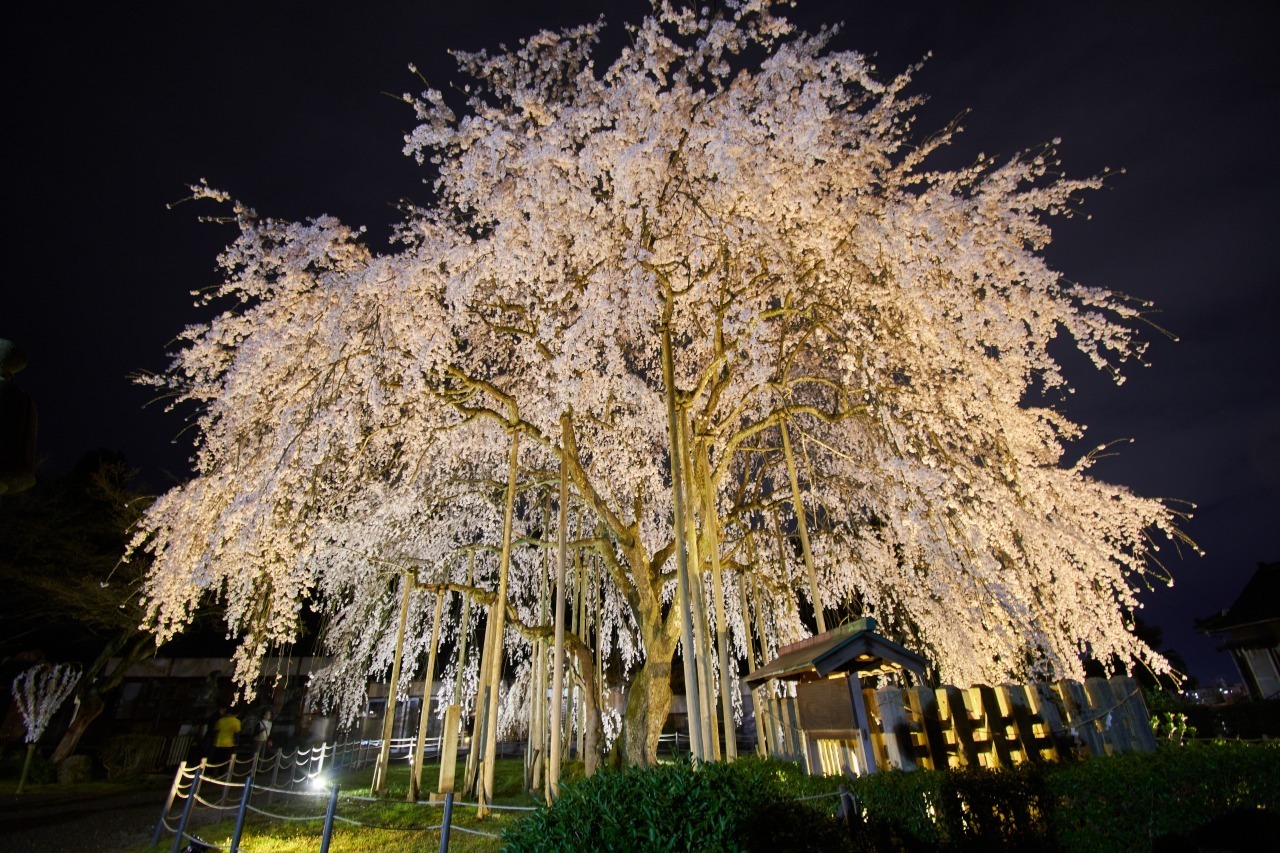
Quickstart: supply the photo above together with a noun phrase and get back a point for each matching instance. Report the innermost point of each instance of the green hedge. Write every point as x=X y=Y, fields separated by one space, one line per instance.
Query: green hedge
x=1162 y=800
x=1124 y=802
x=748 y=805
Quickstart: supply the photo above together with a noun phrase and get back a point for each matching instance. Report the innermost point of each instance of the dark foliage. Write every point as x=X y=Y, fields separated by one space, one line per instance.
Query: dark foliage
x=748 y=805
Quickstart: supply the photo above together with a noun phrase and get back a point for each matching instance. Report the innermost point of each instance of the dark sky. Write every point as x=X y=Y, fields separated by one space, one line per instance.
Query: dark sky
x=114 y=109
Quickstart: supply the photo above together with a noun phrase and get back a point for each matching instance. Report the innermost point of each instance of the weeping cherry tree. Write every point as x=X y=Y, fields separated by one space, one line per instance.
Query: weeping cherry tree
x=785 y=367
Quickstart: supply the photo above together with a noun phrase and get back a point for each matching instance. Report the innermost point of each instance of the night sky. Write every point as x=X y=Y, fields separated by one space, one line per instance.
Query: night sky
x=114 y=109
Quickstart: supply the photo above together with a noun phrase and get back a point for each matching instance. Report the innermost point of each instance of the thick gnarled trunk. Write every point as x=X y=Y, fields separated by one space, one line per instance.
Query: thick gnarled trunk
x=648 y=704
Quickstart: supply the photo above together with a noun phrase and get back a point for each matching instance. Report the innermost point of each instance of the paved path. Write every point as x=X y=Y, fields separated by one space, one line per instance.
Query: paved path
x=68 y=823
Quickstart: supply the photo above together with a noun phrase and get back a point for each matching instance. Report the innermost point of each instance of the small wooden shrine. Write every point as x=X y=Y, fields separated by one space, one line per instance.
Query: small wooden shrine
x=829 y=669
x=834 y=725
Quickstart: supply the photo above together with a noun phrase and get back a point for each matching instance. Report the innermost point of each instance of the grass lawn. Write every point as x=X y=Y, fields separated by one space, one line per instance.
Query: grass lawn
x=390 y=824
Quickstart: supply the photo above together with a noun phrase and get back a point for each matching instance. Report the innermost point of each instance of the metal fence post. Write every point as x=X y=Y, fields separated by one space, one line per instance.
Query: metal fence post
x=231 y=768
x=244 y=807
x=445 y=821
x=848 y=806
x=275 y=773
x=328 y=819
x=186 y=810
x=168 y=803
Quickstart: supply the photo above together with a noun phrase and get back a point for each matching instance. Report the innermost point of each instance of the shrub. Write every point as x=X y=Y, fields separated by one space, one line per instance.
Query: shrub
x=1121 y=802
x=750 y=804
x=1127 y=801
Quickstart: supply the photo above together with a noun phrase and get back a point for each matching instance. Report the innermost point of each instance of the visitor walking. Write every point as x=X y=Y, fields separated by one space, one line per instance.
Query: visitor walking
x=262 y=734
x=225 y=732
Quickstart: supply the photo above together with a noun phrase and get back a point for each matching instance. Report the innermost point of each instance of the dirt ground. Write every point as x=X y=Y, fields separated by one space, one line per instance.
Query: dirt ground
x=45 y=822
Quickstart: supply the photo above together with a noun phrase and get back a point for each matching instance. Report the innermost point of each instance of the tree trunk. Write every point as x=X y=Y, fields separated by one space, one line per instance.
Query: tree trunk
x=91 y=707
x=590 y=719
x=648 y=703
x=94 y=684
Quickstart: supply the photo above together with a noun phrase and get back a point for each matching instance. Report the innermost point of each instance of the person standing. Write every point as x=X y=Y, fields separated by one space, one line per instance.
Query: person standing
x=262 y=734
x=225 y=732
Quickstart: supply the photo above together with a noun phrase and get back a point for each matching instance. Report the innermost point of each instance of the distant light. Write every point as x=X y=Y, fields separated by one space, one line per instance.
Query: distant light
x=318 y=782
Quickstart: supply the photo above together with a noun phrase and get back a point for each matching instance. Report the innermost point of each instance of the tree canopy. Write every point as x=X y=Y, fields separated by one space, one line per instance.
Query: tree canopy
x=723 y=259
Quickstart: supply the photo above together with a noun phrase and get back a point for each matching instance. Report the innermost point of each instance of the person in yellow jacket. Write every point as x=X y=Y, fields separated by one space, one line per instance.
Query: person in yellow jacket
x=225 y=732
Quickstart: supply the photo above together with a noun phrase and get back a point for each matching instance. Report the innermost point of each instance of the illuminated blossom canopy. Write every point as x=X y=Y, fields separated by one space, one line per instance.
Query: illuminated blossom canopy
x=755 y=194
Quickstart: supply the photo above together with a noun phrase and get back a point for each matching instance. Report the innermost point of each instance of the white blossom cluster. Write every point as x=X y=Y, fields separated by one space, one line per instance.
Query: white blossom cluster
x=40 y=691
x=754 y=193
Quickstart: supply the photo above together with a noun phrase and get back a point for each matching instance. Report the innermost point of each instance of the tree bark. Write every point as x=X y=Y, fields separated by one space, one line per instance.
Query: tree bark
x=94 y=684
x=648 y=703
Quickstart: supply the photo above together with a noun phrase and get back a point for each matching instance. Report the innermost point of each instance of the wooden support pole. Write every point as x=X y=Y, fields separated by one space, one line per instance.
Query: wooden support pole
x=797 y=502
x=499 y=614
x=757 y=694
x=424 y=712
x=711 y=523
x=449 y=750
x=557 y=655
x=866 y=752
x=471 y=773
x=379 y=786
x=682 y=563
x=701 y=636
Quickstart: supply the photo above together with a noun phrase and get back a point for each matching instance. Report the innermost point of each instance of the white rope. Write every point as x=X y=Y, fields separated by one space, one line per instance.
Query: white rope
x=257 y=788
x=494 y=806
x=285 y=817
x=222 y=782
x=202 y=801
x=816 y=797
x=456 y=828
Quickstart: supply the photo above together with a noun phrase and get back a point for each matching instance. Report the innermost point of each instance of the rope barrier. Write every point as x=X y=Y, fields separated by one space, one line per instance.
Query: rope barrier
x=285 y=817
x=269 y=789
x=211 y=781
x=202 y=801
x=494 y=806
x=456 y=828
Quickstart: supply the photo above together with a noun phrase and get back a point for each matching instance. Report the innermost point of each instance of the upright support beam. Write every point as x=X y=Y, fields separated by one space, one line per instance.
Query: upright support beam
x=424 y=713
x=711 y=522
x=682 y=565
x=697 y=592
x=379 y=786
x=557 y=654
x=499 y=616
x=866 y=754
x=757 y=694
x=797 y=503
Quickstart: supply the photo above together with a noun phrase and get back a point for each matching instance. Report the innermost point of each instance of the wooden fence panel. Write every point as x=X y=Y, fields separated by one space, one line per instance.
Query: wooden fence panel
x=955 y=719
x=949 y=726
x=1102 y=708
x=897 y=729
x=931 y=746
x=1076 y=706
x=1133 y=710
x=1058 y=741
